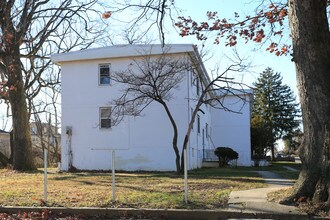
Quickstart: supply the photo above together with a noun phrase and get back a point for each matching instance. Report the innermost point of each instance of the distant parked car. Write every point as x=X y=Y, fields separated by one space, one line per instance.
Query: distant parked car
x=282 y=157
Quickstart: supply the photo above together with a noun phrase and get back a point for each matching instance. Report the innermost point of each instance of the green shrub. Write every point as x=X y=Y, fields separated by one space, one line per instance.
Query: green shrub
x=225 y=154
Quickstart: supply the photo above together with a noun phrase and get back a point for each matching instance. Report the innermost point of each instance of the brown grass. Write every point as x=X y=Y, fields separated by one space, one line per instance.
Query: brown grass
x=208 y=189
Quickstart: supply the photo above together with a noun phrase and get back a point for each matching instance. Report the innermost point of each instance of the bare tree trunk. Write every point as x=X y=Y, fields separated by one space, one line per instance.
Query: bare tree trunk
x=175 y=137
x=11 y=144
x=23 y=158
x=272 y=149
x=190 y=126
x=311 y=46
x=272 y=142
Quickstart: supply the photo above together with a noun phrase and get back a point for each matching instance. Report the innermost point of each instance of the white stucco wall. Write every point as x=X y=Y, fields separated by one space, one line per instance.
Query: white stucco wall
x=196 y=144
x=230 y=129
x=141 y=143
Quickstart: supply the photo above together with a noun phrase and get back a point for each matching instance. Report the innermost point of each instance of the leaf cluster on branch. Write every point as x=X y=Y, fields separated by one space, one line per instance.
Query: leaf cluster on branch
x=249 y=28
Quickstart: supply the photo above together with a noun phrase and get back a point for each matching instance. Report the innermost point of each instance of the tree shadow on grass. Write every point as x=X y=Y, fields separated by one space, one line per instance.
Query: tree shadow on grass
x=148 y=190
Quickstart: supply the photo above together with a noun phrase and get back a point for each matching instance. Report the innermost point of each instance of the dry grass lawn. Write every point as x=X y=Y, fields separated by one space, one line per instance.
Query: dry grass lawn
x=208 y=188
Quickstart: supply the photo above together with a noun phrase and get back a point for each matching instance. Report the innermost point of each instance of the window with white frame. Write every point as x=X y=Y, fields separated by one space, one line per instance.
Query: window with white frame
x=105 y=117
x=104 y=74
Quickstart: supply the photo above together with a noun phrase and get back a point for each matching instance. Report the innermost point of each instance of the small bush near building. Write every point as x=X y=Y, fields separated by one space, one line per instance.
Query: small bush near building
x=225 y=154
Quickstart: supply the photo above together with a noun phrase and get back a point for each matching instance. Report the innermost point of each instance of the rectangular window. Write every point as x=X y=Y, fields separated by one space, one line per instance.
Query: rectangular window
x=207 y=130
x=195 y=81
x=192 y=112
x=104 y=74
x=198 y=124
x=203 y=138
x=105 y=117
x=197 y=86
x=33 y=130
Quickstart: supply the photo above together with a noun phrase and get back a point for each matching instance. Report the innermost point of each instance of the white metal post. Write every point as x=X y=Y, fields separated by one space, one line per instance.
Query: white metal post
x=45 y=174
x=113 y=177
x=185 y=177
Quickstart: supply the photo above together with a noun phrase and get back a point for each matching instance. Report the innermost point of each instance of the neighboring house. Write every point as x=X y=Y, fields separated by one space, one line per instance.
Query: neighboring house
x=141 y=143
x=43 y=131
x=5 y=143
x=40 y=133
x=47 y=136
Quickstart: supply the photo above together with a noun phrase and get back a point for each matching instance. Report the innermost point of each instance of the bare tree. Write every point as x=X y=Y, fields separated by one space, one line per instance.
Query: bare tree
x=30 y=31
x=150 y=15
x=44 y=127
x=134 y=36
x=214 y=91
x=154 y=81
x=309 y=24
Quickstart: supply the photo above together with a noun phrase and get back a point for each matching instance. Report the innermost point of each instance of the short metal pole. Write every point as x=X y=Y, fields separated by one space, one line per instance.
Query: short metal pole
x=113 y=177
x=45 y=174
x=185 y=177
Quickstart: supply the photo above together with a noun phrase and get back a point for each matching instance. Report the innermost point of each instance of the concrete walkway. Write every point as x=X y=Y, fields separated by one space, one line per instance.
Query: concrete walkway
x=255 y=200
x=290 y=168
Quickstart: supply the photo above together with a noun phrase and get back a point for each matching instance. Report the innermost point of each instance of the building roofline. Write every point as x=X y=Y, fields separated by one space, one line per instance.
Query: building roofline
x=120 y=51
x=199 y=62
x=136 y=50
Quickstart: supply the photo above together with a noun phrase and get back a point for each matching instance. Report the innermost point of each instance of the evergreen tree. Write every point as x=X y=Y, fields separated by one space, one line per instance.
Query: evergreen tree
x=292 y=141
x=275 y=107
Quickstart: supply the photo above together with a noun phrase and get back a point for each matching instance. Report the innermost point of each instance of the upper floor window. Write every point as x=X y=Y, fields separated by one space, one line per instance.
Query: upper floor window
x=104 y=74
x=105 y=117
x=197 y=86
x=194 y=79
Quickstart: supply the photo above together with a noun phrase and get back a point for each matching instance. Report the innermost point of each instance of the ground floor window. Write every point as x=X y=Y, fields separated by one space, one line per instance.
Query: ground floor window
x=105 y=117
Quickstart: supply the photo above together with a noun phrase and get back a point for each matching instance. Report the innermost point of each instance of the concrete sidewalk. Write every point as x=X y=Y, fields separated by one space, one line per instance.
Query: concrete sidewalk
x=152 y=214
x=255 y=200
